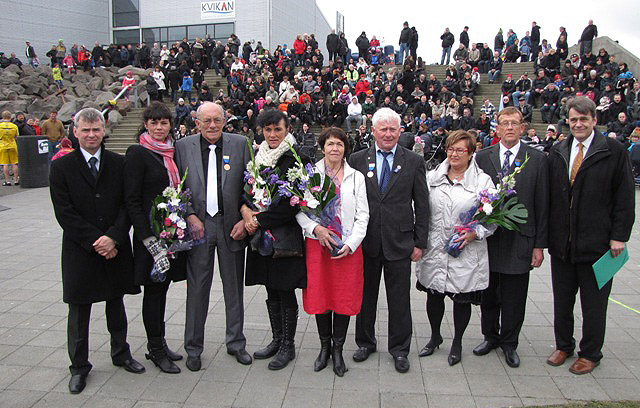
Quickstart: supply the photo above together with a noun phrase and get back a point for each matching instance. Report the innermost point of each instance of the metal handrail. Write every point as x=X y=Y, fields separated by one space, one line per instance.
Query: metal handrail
x=135 y=94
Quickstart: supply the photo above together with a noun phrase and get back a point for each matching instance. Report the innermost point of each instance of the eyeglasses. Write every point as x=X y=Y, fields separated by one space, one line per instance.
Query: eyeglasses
x=507 y=124
x=451 y=150
x=207 y=122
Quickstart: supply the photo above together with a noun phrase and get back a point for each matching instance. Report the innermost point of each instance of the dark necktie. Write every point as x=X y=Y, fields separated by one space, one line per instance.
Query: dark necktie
x=506 y=164
x=386 y=171
x=93 y=166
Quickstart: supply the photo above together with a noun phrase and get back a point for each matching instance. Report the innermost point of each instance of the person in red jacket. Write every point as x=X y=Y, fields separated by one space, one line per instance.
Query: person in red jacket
x=299 y=46
x=362 y=86
x=84 y=58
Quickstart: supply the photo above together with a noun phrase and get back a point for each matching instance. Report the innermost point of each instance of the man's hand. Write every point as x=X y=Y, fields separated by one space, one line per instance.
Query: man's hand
x=111 y=254
x=416 y=254
x=616 y=247
x=104 y=245
x=238 y=231
x=196 y=227
x=537 y=257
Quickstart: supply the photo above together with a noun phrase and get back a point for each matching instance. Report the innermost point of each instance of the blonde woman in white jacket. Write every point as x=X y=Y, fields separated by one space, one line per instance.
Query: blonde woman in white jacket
x=453 y=189
x=335 y=283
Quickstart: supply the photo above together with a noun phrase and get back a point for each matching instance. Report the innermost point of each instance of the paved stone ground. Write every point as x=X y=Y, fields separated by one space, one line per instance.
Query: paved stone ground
x=33 y=359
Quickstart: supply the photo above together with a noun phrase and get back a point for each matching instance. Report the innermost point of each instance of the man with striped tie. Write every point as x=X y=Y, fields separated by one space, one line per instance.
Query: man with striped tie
x=592 y=204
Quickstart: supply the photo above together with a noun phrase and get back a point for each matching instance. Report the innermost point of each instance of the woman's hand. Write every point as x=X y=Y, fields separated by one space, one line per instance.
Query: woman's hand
x=467 y=237
x=344 y=251
x=247 y=215
x=324 y=236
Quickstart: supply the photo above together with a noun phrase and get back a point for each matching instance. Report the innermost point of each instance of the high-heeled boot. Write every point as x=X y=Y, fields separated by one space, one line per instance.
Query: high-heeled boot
x=324 y=331
x=275 y=317
x=287 y=350
x=340 y=326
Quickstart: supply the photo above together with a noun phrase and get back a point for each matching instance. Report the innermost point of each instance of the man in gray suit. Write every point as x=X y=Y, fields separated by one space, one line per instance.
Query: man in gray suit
x=397 y=233
x=215 y=162
x=512 y=254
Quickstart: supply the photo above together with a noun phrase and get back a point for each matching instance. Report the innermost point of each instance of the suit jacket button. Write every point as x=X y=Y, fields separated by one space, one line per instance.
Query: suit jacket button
x=97 y=195
x=100 y=219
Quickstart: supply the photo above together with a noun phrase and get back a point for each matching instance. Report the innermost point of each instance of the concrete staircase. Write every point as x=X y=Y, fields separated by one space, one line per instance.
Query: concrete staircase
x=124 y=134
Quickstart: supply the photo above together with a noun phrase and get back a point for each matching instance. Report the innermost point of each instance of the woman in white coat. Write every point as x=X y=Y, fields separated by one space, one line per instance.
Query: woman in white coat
x=335 y=283
x=453 y=189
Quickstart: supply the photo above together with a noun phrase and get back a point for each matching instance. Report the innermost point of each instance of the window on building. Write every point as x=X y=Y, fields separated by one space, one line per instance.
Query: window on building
x=126 y=13
x=123 y=37
x=164 y=34
x=151 y=35
x=223 y=31
x=196 y=31
x=176 y=34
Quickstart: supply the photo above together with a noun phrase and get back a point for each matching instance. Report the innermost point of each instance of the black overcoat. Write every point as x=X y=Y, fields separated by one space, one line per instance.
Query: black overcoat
x=146 y=177
x=510 y=251
x=87 y=208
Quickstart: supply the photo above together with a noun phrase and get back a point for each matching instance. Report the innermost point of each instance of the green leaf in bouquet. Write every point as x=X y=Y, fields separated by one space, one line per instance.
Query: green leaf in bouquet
x=515 y=211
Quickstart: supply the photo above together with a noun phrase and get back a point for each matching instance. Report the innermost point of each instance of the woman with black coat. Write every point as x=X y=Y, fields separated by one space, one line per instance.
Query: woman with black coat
x=149 y=169
x=282 y=268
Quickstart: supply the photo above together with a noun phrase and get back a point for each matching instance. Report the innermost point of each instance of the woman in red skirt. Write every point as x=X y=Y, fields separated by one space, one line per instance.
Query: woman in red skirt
x=334 y=283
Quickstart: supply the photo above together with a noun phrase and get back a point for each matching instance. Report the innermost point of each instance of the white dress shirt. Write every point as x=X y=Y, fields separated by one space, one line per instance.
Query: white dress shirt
x=380 y=158
x=514 y=152
x=88 y=156
x=574 y=150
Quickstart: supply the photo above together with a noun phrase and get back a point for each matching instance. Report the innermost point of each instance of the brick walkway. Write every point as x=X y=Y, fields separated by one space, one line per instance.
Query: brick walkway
x=33 y=358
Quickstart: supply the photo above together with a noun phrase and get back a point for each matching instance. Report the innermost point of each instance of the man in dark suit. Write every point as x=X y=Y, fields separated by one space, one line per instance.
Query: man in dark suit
x=512 y=254
x=591 y=212
x=215 y=162
x=97 y=263
x=397 y=233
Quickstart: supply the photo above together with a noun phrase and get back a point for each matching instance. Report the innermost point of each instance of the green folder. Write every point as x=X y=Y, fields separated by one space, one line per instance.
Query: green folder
x=607 y=266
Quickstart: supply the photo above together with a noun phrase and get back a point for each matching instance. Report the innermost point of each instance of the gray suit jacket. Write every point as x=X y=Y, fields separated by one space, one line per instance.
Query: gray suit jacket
x=510 y=251
x=189 y=156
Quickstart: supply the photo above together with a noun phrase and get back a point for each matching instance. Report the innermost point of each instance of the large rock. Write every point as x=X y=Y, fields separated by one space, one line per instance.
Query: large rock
x=114 y=118
x=13 y=68
x=90 y=104
x=14 y=106
x=140 y=72
x=33 y=85
x=15 y=88
x=107 y=77
x=8 y=76
x=44 y=106
x=95 y=83
x=104 y=98
x=124 y=106
x=43 y=70
x=81 y=90
x=68 y=109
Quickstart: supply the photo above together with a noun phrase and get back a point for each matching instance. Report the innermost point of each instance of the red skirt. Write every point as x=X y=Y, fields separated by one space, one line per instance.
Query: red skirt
x=332 y=284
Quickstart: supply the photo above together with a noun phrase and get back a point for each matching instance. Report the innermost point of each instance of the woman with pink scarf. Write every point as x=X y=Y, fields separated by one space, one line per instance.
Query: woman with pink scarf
x=149 y=169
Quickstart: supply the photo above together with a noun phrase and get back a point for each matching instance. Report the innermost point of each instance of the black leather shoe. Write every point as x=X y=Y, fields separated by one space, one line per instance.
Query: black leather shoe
x=430 y=347
x=455 y=355
x=362 y=354
x=132 y=366
x=194 y=363
x=241 y=356
x=401 y=363
x=484 y=348
x=173 y=356
x=77 y=383
x=512 y=358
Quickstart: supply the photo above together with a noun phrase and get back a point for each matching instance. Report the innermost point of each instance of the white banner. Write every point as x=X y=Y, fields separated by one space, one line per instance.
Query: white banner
x=217 y=9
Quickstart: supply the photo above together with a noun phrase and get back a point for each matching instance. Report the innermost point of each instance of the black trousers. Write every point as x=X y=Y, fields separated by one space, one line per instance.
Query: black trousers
x=397 y=280
x=154 y=303
x=503 y=308
x=78 y=334
x=567 y=278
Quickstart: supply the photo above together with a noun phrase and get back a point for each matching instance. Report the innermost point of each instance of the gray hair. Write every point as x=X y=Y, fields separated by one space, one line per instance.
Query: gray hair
x=385 y=115
x=89 y=115
x=199 y=110
x=582 y=105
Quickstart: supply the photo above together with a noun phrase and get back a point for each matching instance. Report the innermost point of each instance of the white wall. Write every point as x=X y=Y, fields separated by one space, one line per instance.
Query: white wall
x=44 y=22
x=293 y=17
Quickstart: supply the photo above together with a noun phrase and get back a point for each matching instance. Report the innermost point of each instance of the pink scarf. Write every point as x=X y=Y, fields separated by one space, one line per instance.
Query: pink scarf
x=166 y=151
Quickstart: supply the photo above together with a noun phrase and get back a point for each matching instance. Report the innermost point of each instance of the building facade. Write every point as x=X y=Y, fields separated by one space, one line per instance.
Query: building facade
x=272 y=22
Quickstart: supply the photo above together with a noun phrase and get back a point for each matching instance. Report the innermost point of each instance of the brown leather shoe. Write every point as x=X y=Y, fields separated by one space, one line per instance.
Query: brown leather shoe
x=583 y=366
x=558 y=357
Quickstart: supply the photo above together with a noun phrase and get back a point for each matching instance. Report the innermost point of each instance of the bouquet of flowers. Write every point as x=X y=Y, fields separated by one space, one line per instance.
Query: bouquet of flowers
x=168 y=223
x=260 y=183
x=317 y=198
x=498 y=206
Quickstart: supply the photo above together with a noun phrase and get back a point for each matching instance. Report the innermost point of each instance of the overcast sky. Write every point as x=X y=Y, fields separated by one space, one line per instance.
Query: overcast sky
x=620 y=20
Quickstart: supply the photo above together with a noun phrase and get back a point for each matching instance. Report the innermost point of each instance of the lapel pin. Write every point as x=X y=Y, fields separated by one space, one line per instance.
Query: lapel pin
x=397 y=169
x=370 y=174
x=225 y=159
x=372 y=165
